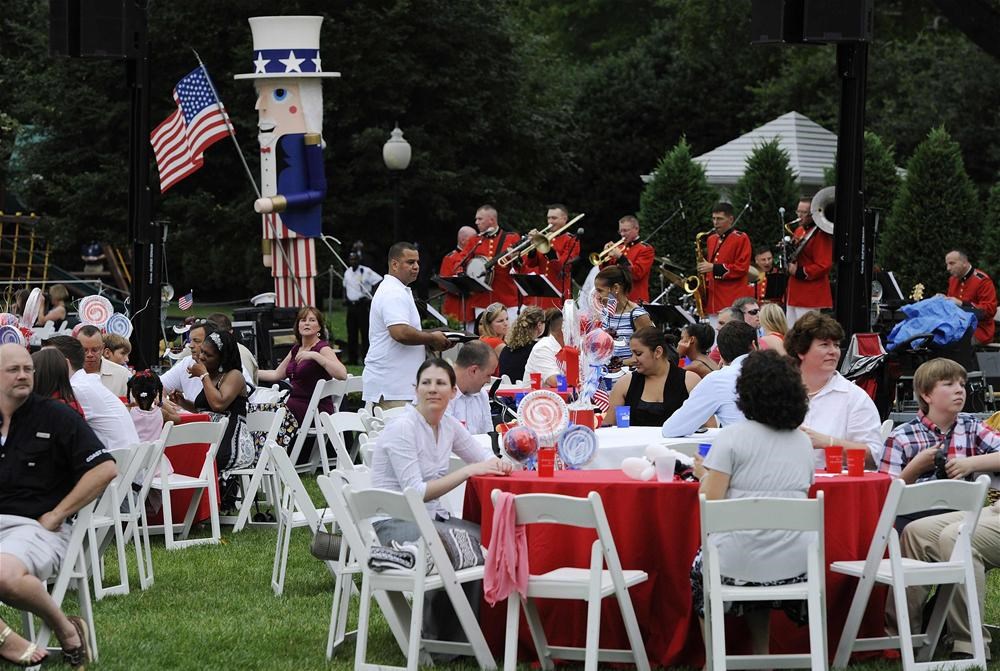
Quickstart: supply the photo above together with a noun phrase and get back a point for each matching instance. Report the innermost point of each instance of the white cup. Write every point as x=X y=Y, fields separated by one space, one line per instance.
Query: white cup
x=665 y=468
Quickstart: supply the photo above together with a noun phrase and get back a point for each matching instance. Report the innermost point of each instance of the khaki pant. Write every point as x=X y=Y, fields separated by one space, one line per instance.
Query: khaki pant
x=932 y=539
x=389 y=405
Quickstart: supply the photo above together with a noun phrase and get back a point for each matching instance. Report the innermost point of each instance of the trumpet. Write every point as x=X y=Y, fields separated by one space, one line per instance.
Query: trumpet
x=540 y=241
x=597 y=259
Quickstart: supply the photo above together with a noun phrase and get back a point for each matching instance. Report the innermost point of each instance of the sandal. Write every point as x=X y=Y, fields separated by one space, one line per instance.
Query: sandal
x=25 y=658
x=79 y=656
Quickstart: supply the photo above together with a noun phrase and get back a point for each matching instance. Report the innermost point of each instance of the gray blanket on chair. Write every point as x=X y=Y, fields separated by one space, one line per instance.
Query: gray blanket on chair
x=461 y=541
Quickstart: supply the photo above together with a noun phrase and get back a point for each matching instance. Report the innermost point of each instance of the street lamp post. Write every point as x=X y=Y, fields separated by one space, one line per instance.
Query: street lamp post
x=396 y=154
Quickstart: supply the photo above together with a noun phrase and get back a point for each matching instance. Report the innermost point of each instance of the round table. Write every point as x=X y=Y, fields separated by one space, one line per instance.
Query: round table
x=655 y=526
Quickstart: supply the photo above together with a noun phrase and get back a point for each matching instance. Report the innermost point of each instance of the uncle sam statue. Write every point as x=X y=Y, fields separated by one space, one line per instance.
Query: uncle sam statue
x=287 y=74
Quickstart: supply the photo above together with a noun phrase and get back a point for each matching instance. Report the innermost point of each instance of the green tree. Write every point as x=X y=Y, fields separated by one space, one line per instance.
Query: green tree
x=676 y=179
x=768 y=183
x=937 y=208
x=990 y=260
x=881 y=180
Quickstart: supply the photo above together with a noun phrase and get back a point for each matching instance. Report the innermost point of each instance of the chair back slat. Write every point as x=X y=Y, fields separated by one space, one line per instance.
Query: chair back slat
x=553 y=509
x=261 y=421
x=200 y=433
x=762 y=514
x=332 y=487
x=942 y=495
x=367 y=503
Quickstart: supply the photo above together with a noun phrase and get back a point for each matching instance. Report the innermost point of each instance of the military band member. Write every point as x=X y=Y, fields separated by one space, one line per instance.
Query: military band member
x=489 y=245
x=451 y=266
x=637 y=258
x=973 y=291
x=727 y=260
x=556 y=264
x=809 y=273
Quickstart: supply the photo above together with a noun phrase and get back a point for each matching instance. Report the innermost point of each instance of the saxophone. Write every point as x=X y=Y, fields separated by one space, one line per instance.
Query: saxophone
x=694 y=284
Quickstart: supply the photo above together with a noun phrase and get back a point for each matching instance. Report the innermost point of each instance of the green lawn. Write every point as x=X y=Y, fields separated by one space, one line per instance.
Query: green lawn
x=212 y=607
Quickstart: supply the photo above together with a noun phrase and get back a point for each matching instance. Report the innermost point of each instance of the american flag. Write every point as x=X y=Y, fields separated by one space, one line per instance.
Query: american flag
x=601 y=400
x=610 y=309
x=185 y=302
x=199 y=121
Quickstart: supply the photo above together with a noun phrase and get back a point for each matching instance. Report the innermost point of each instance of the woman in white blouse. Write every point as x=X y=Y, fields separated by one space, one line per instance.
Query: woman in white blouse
x=415 y=451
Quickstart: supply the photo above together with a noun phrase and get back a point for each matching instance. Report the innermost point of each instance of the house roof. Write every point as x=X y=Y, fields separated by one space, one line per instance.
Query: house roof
x=810 y=147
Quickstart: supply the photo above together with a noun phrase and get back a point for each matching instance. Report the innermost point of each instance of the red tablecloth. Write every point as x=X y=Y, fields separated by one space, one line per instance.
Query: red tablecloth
x=656 y=529
x=187 y=460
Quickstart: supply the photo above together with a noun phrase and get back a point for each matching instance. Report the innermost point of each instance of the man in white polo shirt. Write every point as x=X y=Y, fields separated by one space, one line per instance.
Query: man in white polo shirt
x=397 y=343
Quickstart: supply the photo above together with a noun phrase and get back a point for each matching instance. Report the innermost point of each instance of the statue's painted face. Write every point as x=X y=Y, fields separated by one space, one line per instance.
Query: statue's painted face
x=279 y=109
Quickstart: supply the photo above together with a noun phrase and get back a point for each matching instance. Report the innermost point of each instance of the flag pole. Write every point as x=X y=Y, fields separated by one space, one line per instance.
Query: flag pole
x=243 y=160
x=229 y=126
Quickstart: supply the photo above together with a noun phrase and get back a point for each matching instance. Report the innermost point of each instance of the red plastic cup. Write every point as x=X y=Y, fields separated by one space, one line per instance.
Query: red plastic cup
x=856 y=463
x=584 y=417
x=536 y=380
x=546 y=462
x=834 y=459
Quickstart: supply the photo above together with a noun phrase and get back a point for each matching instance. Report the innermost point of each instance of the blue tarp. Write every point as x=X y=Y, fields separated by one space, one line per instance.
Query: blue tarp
x=936 y=315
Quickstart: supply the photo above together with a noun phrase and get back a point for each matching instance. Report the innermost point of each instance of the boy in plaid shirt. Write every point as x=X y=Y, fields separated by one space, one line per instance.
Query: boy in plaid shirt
x=940 y=426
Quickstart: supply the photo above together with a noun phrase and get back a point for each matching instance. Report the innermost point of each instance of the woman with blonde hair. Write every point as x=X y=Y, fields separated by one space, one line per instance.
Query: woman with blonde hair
x=772 y=322
x=493 y=326
x=528 y=328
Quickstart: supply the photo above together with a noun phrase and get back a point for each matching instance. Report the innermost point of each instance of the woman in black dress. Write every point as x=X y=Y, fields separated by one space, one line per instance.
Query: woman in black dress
x=224 y=392
x=656 y=388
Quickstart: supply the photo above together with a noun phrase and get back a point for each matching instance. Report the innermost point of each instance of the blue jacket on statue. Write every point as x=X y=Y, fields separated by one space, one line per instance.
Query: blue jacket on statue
x=301 y=182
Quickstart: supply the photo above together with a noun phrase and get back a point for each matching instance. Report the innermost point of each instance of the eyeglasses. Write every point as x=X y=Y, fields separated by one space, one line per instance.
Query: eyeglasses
x=751 y=312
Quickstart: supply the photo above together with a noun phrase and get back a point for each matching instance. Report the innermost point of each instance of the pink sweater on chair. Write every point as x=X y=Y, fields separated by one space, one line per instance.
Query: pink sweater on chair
x=507 y=560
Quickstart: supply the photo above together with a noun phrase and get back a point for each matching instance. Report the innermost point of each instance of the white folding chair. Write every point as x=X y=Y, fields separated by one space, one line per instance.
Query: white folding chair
x=108 y=518
x=592 y=584
x=72 y=574
x=138 y=525
x=269 y=423
x=295 y=509
x=387 y=415
x=355 y=384
x=311 y=425
x=885 y=429
x=347 y=564
x=723 y=517
x=335 y=426
x=367 y=418
x=204 y=484
x=409 y=506
x=900 y=572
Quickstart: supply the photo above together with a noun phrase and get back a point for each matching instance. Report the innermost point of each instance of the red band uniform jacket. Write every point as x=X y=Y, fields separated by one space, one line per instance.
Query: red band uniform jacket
x=554 y=266
x=978 y=295
x=730 y=255
x=503 y=289
x=809 y=287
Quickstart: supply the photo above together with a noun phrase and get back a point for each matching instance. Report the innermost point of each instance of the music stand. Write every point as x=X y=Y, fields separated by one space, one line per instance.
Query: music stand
x=672 y=316
x=531 y=284
x=463 y=286
x=777 y=284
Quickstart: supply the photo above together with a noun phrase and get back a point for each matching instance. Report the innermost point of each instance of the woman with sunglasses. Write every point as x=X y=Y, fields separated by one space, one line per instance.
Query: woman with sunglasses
x=656 y=388
x=493 y=326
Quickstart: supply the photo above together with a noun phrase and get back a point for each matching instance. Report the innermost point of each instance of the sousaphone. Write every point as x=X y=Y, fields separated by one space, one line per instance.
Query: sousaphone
x=823 y=209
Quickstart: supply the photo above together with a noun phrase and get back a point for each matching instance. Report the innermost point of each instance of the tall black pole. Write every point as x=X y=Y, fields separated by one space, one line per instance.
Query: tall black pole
x=852 y=240
x=145 y=235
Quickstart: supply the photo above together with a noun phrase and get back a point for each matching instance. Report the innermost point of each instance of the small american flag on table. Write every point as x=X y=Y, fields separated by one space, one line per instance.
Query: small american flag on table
x=185 y=302
x=199 y=121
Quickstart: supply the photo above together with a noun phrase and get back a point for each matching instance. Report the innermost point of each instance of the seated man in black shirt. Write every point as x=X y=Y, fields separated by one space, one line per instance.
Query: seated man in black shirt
x=51 y=465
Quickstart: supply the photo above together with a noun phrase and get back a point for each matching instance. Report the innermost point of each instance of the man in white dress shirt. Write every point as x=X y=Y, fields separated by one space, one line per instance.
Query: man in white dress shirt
x=105 y=413
x=474 y=367
x=113 y=376
x=543 y=354
x=397 y=341
x=716 y=393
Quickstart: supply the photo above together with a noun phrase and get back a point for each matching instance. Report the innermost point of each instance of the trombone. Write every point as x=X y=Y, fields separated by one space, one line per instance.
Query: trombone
x=540 y=241
x=597 y=259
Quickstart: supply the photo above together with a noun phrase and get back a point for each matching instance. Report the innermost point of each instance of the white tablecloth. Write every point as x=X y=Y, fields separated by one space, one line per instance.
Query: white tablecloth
x=615 y=444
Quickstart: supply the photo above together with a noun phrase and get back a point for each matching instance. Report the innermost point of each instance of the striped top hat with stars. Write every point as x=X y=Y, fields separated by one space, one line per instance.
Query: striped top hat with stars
x=286 y=46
